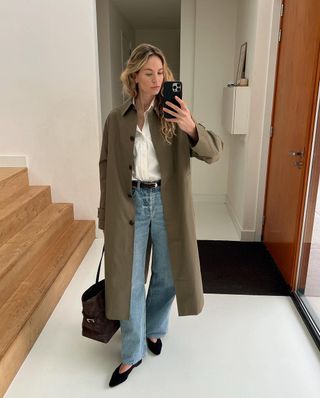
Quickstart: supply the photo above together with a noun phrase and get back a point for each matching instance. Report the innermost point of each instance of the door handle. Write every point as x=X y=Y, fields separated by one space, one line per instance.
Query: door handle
x=296 y=153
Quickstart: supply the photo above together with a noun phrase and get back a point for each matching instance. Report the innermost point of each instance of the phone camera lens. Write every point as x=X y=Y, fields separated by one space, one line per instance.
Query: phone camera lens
x=176 y=87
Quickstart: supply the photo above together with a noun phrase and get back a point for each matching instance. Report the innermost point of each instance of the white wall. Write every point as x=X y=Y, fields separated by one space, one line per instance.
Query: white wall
x=208 y=29
x=105 y=73
x=118 y=23
x=49 y=106
x=248 y=161
x=211 y=34
x=187 y=49
x=168 y=40
x=237 y=179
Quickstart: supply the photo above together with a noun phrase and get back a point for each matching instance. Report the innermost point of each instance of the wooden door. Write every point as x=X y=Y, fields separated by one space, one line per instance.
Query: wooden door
x=292 y=125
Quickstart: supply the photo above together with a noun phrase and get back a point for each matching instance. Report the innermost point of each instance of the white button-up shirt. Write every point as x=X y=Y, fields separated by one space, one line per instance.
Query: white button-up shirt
x=146 y=165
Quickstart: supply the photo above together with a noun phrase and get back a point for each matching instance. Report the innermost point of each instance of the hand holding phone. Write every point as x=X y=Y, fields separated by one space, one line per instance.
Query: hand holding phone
x=170 y=90
x=183 y=118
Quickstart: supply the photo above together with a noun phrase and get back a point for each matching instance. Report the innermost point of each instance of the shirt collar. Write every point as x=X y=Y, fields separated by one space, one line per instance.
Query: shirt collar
x=151 y=105
x=131 y=103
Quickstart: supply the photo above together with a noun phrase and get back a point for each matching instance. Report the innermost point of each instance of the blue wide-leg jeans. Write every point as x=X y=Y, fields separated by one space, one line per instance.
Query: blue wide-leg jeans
x=149 y=317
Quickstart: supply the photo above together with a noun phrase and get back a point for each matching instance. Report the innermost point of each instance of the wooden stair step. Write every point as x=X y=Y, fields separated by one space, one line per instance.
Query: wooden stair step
x=20 y=253
x=16 y=213
x=13 y=180
x=26 y=313
x=16 y=311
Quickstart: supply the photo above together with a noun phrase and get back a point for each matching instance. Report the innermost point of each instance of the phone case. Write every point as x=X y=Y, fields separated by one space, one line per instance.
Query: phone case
x=170 y=89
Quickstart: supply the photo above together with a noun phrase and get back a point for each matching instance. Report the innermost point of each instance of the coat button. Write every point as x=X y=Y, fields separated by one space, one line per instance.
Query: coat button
x=131 y=137
x=130 y=167
x=131 y=222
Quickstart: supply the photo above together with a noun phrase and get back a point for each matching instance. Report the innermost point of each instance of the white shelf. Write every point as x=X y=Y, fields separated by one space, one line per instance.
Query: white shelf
x=235 y=109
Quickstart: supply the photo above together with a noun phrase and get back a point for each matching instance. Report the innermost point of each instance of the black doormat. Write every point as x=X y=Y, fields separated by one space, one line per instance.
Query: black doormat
x=237 y=267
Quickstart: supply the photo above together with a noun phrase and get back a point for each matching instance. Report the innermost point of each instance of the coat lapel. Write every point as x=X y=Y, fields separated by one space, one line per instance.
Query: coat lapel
x=127 y=130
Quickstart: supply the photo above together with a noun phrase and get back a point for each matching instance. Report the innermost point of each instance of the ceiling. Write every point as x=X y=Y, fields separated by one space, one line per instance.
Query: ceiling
x=150 y=14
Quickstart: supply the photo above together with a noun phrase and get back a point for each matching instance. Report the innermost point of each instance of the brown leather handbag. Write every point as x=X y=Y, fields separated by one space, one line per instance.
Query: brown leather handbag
x=95 y=325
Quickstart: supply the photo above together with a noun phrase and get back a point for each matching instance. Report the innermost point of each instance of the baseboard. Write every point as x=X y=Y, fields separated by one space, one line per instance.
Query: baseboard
x=246 y=235
x=13 y=161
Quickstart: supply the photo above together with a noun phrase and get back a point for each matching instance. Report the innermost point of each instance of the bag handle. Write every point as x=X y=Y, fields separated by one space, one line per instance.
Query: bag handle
x=98 y=273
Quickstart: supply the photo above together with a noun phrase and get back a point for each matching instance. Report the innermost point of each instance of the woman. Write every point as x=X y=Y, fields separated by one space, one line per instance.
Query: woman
x=146 y=200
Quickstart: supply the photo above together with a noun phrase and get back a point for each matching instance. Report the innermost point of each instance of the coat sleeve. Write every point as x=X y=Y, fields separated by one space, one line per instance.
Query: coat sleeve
x=103 y=175
x=208 y=147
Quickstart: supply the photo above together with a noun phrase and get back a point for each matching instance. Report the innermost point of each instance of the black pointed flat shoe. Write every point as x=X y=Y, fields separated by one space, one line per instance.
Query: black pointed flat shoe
x=118 y=378
x=154 y=347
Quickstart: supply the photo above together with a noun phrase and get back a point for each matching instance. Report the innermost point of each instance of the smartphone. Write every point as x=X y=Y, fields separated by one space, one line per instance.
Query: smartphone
x=170 y=89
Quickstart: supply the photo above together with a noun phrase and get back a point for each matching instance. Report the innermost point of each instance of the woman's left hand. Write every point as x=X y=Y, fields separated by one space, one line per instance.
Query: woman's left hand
x=182 y=117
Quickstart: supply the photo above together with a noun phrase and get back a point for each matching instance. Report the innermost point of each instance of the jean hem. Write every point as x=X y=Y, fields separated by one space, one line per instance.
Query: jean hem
x=130 y=362
x=152 y=335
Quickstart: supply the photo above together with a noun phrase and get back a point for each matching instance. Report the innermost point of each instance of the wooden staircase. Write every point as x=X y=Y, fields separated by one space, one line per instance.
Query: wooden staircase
x=41 y=246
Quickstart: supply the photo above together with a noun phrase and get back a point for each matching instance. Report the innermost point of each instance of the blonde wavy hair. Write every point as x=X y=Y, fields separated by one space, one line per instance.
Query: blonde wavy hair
x=138 y=58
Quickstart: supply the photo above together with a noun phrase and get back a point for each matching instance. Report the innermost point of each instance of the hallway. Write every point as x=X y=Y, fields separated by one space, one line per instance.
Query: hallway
x=239 y=346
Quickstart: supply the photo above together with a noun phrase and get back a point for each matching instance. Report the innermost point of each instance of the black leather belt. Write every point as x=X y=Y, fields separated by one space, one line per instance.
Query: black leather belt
x=146 y=184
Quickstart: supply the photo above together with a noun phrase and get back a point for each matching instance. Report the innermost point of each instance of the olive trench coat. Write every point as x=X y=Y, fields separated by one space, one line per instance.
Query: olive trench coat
x=116 y=210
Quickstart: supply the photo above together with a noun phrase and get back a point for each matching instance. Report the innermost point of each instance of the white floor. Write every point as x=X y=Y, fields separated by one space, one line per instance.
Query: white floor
x=238 y=347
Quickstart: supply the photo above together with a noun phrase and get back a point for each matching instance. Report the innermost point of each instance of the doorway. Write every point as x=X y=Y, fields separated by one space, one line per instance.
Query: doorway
x=292 y=182
x=307 y=288
x=122 y=25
